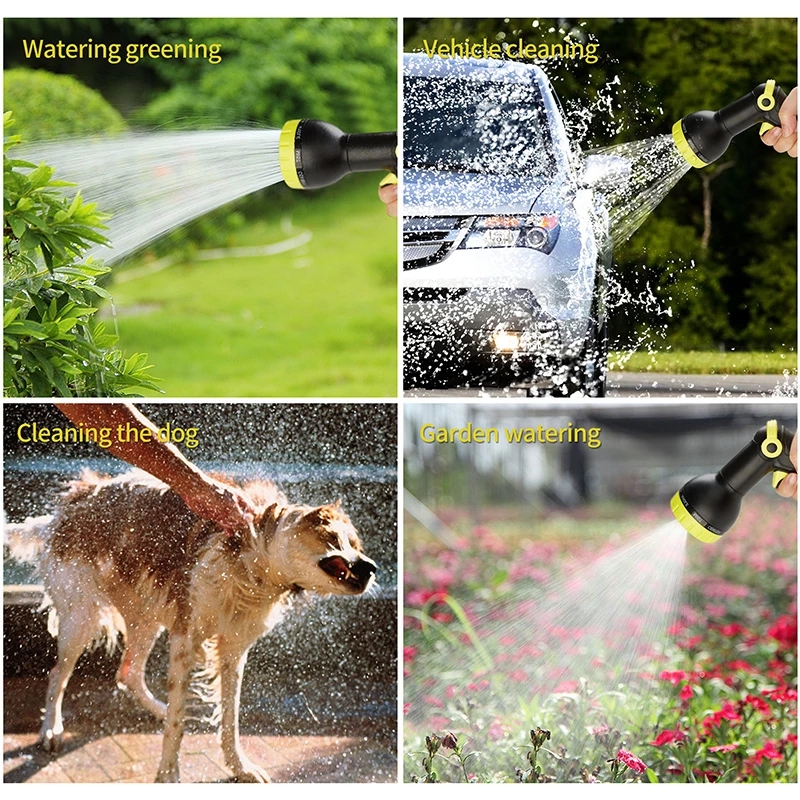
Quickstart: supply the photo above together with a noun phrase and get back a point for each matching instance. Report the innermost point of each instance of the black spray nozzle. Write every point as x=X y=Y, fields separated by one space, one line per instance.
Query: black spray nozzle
x=704 y=136
x=707 y=506
x=314 y=154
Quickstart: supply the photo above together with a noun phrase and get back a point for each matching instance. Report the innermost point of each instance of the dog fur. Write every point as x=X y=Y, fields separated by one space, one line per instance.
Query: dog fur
x=126 y=556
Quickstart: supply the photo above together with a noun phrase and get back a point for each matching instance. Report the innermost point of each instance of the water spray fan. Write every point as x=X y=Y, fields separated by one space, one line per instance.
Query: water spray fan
x=314 y=154
x=704 y=136
x=707 y=506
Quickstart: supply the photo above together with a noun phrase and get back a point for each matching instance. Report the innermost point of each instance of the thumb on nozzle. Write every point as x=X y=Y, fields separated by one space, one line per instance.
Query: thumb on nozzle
x=786 y=485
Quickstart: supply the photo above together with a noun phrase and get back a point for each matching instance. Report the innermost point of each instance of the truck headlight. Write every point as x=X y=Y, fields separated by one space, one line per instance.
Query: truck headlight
x=534 y=231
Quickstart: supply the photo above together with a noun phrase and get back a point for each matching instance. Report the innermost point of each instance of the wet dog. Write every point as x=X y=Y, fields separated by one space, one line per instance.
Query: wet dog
x=126 y=556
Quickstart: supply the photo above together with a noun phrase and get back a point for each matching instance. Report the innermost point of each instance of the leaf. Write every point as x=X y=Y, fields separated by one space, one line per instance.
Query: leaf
x=10 y=314
x=17 y=224
x=651 y=776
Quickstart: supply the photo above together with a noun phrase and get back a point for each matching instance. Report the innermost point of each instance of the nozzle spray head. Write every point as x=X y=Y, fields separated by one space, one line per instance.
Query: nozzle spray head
x=313 y=154
x=704 y=136
x=708 y=506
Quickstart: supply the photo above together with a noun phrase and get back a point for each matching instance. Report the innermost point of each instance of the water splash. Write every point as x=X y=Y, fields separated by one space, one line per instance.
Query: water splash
x=602 y=622
x=656 y=166
x=154 y=183
x=592 y=634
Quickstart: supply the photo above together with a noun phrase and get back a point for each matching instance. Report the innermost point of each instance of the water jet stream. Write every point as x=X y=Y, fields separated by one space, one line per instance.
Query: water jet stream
x=153 y=183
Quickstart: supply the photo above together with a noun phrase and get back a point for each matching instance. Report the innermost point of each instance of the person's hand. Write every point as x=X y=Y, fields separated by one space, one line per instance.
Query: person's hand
x=388 y=196
x=788 y=486
x=784 y=139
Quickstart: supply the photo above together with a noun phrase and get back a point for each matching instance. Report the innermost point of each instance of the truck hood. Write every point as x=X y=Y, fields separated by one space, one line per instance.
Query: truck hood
x=429 y=192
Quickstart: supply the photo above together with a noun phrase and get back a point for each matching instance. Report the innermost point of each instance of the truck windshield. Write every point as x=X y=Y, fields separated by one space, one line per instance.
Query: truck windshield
x=485 y=127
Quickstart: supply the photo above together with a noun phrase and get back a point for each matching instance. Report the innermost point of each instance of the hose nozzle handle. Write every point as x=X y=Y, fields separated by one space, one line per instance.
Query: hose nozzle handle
x=702 y=137
x=707 y=506
x=313 y=154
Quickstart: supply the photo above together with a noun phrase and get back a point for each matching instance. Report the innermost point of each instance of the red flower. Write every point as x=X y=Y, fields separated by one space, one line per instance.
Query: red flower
x=630 y=761
x=668 y=737
x=759 y=704
x=673 y=677
x=731 y=629
x=686 y=692
x=784 y=631
x=768 y=751
x=739 y=665
x=781 y=694
x=728 y=712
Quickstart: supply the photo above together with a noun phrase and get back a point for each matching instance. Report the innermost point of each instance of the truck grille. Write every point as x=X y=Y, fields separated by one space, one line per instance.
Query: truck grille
x=429 y=240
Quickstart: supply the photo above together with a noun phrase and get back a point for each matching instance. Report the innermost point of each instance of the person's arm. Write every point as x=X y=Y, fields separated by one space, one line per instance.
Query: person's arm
x=208 y=498
x=784 y=139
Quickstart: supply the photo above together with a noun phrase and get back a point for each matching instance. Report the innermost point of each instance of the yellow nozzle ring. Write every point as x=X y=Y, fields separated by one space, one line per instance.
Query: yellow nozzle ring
x=684 y=148
x=691 y=525
x=772 y=446
x=286 y=154
x=766 y=101
x=391 y=178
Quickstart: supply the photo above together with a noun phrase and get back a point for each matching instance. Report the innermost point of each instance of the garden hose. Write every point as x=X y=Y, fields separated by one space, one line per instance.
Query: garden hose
x=314 y=154
x=704 y=136
x=707 y=506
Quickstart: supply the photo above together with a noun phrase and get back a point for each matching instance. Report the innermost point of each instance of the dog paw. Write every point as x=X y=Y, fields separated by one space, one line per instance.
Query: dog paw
x=248 y=772
x=168 y=776
x=50 y=741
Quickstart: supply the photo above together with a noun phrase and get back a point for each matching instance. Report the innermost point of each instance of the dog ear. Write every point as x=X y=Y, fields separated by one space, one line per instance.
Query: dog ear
x=265 y=522
x=323 y=514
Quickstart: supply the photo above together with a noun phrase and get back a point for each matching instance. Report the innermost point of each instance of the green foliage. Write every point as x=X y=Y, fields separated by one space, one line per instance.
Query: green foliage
x=48 y=106
x=705 y=362
x=343 y=71
x=51 y=342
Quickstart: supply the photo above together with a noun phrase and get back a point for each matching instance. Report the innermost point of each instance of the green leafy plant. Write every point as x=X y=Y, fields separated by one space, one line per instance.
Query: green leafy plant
x=52 y=344
x=49 y=106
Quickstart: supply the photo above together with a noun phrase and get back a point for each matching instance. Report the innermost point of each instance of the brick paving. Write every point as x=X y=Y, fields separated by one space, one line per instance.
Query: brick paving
x=110 y=739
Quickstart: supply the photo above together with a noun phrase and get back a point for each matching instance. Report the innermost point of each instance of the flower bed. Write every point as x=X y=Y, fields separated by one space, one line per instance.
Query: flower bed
x=715 y=701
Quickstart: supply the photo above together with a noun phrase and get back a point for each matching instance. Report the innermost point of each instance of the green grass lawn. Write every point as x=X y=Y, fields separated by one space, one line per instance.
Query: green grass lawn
x=318 y=321
x=705 y=363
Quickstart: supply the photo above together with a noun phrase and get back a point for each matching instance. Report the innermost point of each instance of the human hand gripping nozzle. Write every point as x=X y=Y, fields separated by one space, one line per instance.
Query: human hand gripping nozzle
x=314 y=154
x=708 y=505
x=704 y=136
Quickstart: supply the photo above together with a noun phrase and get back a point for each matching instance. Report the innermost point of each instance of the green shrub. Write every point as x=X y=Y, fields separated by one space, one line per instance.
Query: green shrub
x=52 y=344
x=48 y=106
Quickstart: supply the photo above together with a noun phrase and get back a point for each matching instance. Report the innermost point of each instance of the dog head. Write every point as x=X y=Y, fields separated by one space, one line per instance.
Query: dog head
x=318 y=549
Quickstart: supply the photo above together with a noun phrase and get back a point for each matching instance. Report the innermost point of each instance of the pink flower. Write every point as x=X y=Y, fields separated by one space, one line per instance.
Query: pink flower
x=631 y=761
x=723 y=748
x=496 y=731
x=686 y=692
x=409 y=652
x=433 y=701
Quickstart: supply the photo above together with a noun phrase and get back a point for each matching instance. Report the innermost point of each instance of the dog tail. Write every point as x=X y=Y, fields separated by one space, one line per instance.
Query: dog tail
x=26 y=540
